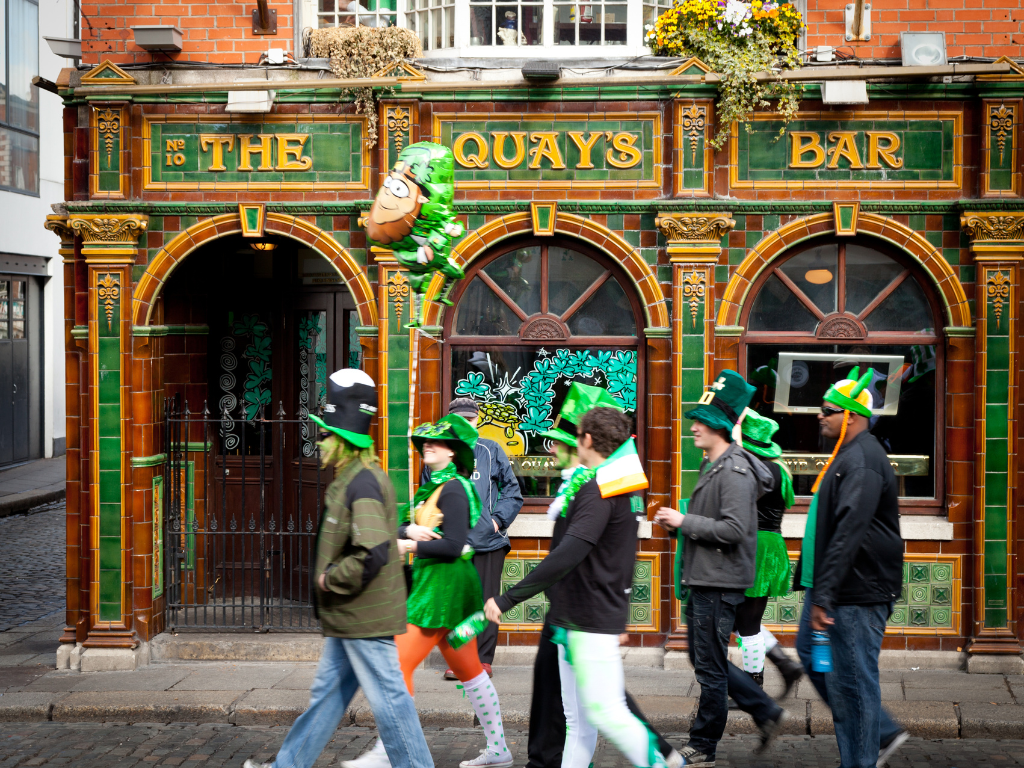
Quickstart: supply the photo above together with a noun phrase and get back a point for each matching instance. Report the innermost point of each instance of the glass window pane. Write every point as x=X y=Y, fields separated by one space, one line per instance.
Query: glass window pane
x=480 y=25
x=615 y=25
x=867 y=273
x=19 y=161
x=3 y=62
x=5 y=308
x=482 y=313
x=437 y=28
x=569 y=274
x=17 y=309
x=521 y=389
x=507 y=21
x=776 y=308
x=565 y=24
x=531 y=25
x=23 y=34
x=589 y=24
x=815 y=273
x=518 y=275
x=606 y=313
x=905 y=309
x=911 y=432
x=449 y=25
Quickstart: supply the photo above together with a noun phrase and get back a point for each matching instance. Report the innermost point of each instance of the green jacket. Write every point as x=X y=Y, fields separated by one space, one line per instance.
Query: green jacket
x=357 y=548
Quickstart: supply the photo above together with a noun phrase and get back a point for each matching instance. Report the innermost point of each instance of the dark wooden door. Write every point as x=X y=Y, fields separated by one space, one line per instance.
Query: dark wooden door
x=15 y=442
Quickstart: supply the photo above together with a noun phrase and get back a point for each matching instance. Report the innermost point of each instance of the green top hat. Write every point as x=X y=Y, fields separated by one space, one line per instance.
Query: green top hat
x=757 y=435
x=720 y=407
x=851 y=394
x=454 y=430
x=350 y=407
x=578 y=400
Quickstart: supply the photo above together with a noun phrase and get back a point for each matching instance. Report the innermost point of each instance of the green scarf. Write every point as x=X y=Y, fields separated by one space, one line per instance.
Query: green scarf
x=439 y=478
x=807 y=546
x=567 y=492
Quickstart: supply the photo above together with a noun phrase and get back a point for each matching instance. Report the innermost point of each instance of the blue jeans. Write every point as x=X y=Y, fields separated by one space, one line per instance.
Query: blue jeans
x=710 y=616
x=345 y=666
x=852 y=689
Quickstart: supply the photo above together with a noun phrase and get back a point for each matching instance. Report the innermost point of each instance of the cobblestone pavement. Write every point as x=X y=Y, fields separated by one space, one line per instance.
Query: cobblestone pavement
x=31 y=566
x=213 y=746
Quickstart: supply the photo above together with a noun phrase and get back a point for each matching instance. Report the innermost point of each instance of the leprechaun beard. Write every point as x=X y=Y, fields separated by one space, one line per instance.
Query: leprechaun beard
x=392 y=231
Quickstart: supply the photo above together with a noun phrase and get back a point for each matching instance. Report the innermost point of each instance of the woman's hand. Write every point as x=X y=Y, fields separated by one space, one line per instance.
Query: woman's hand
x=405 y=546
x=668 y=518
x=420 y=532
x=323 y=581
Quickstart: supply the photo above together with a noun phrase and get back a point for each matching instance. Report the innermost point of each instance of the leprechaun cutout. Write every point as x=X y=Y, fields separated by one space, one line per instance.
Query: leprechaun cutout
x=413 y=217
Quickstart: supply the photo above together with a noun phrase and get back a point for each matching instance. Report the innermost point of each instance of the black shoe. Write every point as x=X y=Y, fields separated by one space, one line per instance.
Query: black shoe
x=692 y=757
x=791 y=670
x=769 y=731
x=891 y=746
x=758 y=678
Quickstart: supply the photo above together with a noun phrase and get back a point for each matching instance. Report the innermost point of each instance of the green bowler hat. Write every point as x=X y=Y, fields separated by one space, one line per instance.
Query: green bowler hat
x=578 y=400
x=757 y=435
x=454 y=430
x=720 y=407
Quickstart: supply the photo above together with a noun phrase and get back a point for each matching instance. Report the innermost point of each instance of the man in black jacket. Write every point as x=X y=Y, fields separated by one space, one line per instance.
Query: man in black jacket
x=851 y=565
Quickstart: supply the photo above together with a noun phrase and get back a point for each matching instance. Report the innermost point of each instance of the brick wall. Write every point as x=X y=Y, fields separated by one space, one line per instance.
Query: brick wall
x=220 y=33
x=973 y=27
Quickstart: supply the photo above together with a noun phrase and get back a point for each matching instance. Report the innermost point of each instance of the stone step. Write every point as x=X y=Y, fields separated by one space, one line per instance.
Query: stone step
x=230 y=646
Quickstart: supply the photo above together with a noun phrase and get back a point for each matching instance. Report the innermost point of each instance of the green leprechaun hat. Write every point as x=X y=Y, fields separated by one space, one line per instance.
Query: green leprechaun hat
x=757 y=435
x=350 y=407
x=578 y=400
x=454 y=430
x=851 y=394
x=722 y=406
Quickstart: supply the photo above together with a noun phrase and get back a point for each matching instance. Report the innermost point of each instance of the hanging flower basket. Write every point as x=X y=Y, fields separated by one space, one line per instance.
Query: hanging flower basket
x=736 y=40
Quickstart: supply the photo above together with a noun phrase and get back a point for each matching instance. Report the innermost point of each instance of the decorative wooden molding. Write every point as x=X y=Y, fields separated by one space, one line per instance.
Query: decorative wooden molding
x=106 y=229
x=107 y=73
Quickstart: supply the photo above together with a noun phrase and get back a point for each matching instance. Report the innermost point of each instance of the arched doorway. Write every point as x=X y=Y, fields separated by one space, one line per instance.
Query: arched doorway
x=532 y=316
x=255 y=327
x=830 y=304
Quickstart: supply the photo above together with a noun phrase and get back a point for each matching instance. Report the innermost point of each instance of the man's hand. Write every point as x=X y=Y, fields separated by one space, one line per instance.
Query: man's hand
x=495 y=524
x=323 y=581
x=421 y=533
x=405 y=546
x=623 y=638
x=492 y=611
x=820 y=620
x=668 y=518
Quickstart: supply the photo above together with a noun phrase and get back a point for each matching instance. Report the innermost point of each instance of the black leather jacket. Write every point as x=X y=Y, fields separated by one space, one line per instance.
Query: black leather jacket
x=858 y=550
x=771 y=507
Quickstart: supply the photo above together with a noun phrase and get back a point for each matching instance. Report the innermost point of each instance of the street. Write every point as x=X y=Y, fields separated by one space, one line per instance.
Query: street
x=32 y=566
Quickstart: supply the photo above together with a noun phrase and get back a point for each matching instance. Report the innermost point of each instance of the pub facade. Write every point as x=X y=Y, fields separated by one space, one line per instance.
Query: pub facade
x=216 y=271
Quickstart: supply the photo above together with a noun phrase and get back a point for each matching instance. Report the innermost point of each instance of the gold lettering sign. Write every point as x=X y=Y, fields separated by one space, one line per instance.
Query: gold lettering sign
x=882 y=148
x=621 y=151
x=288 y=155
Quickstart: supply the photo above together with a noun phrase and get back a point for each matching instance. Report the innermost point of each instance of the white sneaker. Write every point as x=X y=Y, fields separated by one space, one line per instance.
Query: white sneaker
x=674 y=759
x=250 y=763
x=375 y=758
x=488 y=759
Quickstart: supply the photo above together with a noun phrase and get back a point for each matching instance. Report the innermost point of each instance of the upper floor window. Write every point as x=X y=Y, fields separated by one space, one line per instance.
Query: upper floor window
x=496 y=26
x=19 y=99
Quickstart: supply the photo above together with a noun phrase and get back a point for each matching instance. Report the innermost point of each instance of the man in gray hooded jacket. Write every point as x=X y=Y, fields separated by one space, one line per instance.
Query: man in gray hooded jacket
x=718 y=533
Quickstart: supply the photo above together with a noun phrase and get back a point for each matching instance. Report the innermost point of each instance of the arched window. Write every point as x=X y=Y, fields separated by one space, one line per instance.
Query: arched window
x=816 y=313
x=530 y=319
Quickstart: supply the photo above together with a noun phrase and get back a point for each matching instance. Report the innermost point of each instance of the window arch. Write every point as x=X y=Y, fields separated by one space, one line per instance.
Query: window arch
x=529 y=319
x=827 y=306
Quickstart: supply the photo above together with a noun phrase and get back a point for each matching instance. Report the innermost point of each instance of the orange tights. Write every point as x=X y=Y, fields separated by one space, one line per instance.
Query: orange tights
x=417 y=642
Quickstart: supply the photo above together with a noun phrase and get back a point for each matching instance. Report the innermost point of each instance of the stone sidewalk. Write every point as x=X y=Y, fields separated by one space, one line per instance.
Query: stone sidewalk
x=930 y=704
x=32 y=485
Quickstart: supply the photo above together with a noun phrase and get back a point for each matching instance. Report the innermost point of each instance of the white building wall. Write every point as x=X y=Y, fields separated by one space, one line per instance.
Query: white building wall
x=22 y=218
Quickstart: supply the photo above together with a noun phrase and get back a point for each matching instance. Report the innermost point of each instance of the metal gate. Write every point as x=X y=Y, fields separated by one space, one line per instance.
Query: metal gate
x=242 y=509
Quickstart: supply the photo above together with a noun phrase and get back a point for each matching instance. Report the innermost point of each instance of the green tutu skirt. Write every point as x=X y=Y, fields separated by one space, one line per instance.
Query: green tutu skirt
x=443 y=594
x=771 y=578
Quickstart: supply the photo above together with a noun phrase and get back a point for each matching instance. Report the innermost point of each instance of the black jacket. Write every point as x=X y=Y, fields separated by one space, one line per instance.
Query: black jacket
x=858 y=550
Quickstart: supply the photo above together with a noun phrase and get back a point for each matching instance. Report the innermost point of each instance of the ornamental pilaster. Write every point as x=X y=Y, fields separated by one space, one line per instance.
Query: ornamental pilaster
x=694 y=244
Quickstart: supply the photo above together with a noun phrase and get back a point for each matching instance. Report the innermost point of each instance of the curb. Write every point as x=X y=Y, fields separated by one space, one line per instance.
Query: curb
x=16 y=503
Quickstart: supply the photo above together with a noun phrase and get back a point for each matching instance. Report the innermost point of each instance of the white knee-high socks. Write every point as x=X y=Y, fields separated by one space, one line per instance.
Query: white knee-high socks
x=484 y=699
x=753 y=653
x=769 y=639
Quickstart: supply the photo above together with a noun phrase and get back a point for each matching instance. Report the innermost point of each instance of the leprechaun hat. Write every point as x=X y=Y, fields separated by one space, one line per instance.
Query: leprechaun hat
x=459 y=434
x=350 y=407
x=757 y=435
x=722 y=406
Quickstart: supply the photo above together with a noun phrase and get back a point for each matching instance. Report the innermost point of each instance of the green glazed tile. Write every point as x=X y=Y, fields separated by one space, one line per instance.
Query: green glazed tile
x=693 y=347
x=110 y=553
x=995 y=558
x=110 y=519
x=995 y=455
x=995 y=488
x=998 y=386
x=110 y=453
x=110 y=586
x=995 y=591
x=996 y=424
x=110 y=386
x=995 y=523
x=995 y=617
x=110 y=611
x=110 y=487
x=109 y=420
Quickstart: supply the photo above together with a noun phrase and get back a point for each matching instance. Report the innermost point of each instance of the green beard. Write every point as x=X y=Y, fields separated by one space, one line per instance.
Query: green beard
x=564 y=458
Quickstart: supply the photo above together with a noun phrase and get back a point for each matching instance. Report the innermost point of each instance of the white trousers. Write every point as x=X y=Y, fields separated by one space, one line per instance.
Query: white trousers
x=594 y=699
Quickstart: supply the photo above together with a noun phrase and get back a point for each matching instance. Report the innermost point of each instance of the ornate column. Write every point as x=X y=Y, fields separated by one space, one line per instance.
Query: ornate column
x=997 y=242
x=110 y=247
x=694 y=248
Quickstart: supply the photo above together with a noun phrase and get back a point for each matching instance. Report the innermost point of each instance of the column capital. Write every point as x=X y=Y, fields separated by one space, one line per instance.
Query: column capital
x=109 y=237
x=694 y=237
x=995 y=236
x=58 y=224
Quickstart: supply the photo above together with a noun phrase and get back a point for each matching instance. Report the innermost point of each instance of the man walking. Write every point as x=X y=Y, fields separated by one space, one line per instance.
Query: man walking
x=500 y=502
x=851 y=566
x=359 y=594
x=719 y=536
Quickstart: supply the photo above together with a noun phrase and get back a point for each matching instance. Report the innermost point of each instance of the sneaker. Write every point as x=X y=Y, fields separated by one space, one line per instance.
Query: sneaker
x=674 y=760
x=375 y=758
x=449 y=675
x=250 y=763
x=692 y=757
x=488 y=759
x=487 y=669
x=769 y=731
x=887 y=749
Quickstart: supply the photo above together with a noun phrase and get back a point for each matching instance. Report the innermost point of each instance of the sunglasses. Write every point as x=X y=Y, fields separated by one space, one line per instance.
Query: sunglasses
x=826 y=411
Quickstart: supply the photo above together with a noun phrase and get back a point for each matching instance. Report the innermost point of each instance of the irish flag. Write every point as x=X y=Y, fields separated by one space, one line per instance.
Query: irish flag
x=621 y=472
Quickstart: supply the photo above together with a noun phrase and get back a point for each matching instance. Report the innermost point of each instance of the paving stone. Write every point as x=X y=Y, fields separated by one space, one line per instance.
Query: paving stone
x=819 y=719
x=153 y=678
x=953 y=693
x=669 y=714
x=927 y=719
x=31 y=567
x=266 y=707
x=148 y=706
x=297 y=680
x=991 y=721
x=19 y=677
x=231 y=677
x=27 y=707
